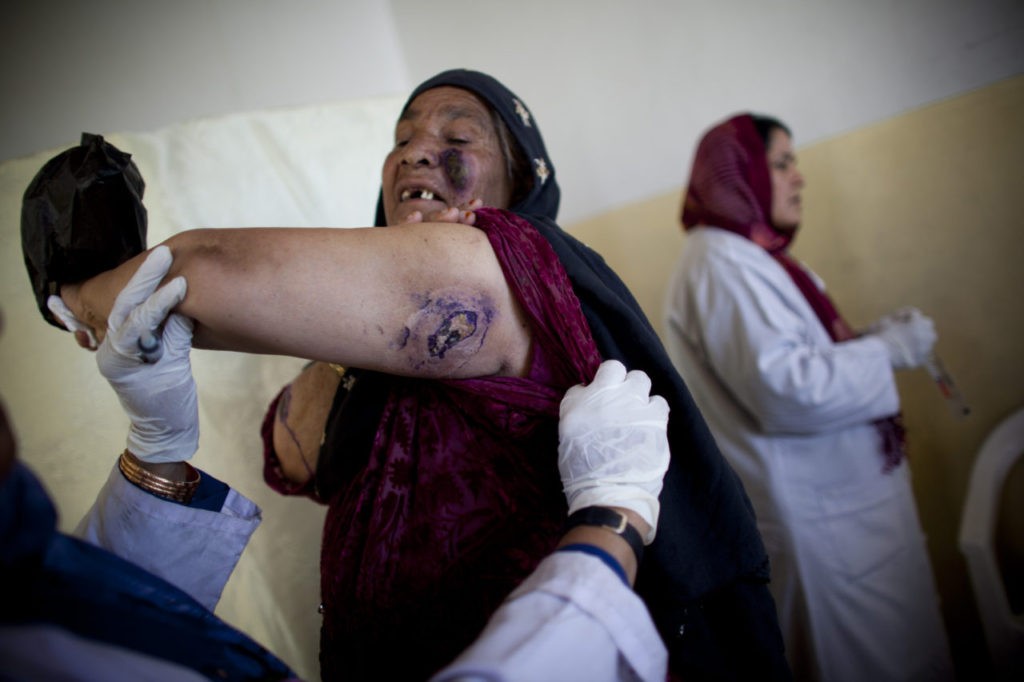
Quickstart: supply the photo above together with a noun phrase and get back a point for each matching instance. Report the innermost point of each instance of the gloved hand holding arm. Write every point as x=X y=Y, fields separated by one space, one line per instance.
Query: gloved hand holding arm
x=145 y=358
x=571 y=618
x=194 y=534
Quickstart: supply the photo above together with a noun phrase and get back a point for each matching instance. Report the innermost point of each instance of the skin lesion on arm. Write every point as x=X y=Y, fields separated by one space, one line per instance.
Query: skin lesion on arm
x=447 y=327
x=426 y=300
x=467 y=323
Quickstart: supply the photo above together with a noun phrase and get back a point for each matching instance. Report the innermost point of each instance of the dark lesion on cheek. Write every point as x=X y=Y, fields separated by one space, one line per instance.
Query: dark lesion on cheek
x=456 y=169
x=456 y=327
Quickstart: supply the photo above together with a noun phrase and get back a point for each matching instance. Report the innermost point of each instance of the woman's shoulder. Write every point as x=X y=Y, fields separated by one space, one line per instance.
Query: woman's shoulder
x=720 y=240
x=718 y=247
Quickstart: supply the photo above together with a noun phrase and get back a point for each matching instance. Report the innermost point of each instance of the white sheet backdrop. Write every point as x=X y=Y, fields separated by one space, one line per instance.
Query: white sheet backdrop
x=312 y=166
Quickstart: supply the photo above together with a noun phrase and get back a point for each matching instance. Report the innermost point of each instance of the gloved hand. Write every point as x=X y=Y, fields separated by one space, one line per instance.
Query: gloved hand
x=909 y=336
x=613 y=443
x=156 y=389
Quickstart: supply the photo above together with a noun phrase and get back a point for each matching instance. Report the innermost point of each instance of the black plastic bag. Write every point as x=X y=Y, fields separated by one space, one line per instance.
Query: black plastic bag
x=81 y=214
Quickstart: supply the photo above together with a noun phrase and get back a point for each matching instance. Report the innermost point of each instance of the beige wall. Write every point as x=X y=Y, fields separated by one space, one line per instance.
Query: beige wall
x=921 y=209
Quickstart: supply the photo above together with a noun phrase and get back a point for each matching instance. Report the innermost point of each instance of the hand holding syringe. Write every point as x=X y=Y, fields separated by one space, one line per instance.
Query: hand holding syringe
x=910 y=337
x=946 y=386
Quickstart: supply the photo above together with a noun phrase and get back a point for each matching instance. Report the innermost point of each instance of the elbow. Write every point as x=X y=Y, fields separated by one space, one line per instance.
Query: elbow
x=781 y=416
x=193 y=246
x=787 y=402
x=200 y=254
x=203 y=258
x=810 y=413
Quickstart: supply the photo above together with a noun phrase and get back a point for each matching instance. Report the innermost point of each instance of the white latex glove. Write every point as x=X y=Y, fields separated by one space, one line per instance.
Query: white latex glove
x=884 y=322
x=156 y=389
x=909 y=335
x=613 y=443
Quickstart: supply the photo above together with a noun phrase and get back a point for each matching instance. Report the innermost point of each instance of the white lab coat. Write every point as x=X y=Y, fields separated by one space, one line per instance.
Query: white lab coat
x=193 y=549
x=571 y=619
x=792 y=412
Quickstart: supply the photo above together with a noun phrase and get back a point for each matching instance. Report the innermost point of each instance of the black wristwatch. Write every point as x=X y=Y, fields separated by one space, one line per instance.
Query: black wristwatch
x=616 y=522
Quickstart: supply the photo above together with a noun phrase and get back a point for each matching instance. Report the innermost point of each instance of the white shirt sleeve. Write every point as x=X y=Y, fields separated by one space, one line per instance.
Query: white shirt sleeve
x=768 y=347
x=194 y=549
x=571 y=619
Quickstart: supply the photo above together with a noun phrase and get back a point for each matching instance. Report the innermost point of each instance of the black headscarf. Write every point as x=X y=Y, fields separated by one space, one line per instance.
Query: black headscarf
x=704 y=578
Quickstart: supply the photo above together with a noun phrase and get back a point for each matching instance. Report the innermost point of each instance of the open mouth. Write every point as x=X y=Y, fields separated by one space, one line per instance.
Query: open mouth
x=419 y=193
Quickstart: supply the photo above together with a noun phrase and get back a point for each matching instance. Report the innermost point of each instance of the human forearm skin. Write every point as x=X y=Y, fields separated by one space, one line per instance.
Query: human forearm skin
x=425 y=300
x=300 y=419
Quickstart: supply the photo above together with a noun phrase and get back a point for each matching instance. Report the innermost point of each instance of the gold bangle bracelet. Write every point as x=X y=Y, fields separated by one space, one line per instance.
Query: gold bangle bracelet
x=177 y=491
x=347 y=380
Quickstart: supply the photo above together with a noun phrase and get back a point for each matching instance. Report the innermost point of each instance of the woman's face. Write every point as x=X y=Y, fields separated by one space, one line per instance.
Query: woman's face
x=786 y=181
x=447 y=153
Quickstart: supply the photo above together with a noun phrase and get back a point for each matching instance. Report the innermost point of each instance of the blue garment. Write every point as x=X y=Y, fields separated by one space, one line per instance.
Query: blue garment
x=49 y=578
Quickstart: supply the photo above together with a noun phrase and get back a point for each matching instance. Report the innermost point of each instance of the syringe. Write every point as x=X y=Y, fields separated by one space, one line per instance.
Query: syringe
x=946 y=386
x=150 y=347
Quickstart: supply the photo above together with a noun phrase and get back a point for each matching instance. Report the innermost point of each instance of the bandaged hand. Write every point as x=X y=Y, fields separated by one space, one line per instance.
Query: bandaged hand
x=909 y=337
x=613 y=443
x=156 y=388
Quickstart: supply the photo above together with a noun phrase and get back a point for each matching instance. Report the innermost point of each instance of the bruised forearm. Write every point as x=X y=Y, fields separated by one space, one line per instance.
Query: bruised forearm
x=247 y=288
x=195 y=253
x=377 y=298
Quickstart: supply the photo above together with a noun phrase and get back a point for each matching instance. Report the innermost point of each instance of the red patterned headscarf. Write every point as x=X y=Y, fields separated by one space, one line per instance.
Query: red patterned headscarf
x=731 y=188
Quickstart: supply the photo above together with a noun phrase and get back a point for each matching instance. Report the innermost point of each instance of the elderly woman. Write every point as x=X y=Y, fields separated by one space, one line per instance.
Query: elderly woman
x=807 y=412
x=467 y=318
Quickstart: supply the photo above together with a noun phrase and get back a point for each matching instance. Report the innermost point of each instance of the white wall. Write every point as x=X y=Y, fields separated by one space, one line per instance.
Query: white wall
x=104 y=66
x=622 y=90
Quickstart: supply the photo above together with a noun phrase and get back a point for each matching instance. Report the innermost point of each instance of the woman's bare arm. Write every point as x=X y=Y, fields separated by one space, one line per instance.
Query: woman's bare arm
x=418 y=300
x=300 y=419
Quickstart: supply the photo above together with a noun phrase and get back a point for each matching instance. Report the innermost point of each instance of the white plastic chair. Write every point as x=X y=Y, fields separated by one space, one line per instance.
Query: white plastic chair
x=1004 y=630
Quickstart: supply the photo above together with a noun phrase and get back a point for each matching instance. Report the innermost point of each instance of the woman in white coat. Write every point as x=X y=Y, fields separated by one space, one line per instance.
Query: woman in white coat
x=807 y=412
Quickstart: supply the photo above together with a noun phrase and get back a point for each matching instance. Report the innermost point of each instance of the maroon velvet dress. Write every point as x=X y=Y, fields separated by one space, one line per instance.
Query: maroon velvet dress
x=460 y=497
